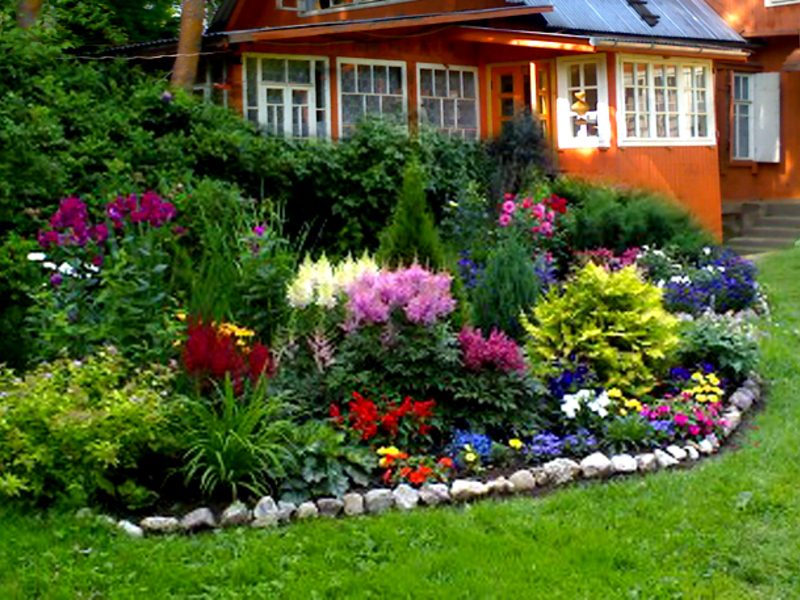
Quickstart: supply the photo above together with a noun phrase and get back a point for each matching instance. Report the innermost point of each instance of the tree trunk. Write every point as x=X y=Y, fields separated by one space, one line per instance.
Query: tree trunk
x=185 y=71
x=27 y=12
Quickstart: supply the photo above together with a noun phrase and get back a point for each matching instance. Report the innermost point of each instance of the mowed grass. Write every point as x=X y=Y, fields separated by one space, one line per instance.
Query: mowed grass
x=728 y=528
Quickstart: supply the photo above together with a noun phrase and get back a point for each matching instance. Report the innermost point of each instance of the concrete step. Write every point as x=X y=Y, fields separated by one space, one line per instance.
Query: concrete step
x=781 y=221
x=753 y=245
x=789 y=234
x=782 y=208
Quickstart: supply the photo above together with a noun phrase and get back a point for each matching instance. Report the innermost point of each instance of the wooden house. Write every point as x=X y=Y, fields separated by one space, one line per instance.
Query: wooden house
x=758 y=102
x=625 y=89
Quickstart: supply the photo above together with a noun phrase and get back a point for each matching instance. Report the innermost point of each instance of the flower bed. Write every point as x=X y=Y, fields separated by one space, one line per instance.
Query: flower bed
x=307 y=382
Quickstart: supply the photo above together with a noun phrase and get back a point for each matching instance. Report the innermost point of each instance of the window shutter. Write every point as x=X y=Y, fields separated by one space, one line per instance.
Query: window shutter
x=767 y=112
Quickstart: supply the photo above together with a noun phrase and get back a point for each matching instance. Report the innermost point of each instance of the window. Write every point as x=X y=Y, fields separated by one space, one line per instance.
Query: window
x=756 y=127
x=211 y=83
x=742 y=130
x=582 y=108
x=779 y=2
x=370 y=87
x=665 y=101
x=448 y=99
x=287 y=95
x=316 y=5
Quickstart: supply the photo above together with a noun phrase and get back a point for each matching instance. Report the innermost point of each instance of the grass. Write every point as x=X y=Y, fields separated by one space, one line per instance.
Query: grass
x=727 y=528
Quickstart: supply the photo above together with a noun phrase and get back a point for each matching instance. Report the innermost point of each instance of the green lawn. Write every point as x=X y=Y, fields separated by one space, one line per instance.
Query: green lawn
x=729 y=528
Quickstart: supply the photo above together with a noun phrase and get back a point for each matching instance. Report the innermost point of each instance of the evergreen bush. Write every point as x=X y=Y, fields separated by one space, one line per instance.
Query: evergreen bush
x=411 y=236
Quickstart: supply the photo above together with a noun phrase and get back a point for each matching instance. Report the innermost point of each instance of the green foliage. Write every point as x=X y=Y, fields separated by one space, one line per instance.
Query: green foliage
x=18 y=277
x=80 y=431
x=509 y=286
x=613 y=322
x=618 y=219
x=324 y=464
x=411 y=236
x=520 y=155
x=728 y=343
x=236 y=443
x=629 y=433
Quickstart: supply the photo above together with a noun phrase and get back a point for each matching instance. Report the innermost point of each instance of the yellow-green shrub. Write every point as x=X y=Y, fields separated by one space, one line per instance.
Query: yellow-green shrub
x=614 y=322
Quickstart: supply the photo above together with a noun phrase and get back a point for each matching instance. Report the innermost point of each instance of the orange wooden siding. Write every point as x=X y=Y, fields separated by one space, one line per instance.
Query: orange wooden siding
x=751 y=17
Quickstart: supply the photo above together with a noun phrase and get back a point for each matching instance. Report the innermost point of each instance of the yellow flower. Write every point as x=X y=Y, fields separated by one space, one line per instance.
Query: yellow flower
x=180 y=315
x=470 y=457
x=515 y=443
x=623 y=412
x=697 y=376
x=634 y=404
x=614 y=393
x=701 y=397
x=713 y=398
x=713 y=379
x=384 y=450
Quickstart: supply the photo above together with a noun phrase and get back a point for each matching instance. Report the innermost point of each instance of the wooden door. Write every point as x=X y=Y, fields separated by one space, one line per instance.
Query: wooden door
x=516 y=88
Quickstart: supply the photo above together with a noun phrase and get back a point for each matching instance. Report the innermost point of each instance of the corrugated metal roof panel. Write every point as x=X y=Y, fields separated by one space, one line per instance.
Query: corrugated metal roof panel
x=682 y=19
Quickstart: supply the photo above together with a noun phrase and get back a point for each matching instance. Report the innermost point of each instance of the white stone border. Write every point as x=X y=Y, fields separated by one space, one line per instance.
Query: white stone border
x=557 y=472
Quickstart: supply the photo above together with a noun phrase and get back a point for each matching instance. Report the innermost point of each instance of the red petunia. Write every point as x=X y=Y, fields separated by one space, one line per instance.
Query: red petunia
x=424 y=409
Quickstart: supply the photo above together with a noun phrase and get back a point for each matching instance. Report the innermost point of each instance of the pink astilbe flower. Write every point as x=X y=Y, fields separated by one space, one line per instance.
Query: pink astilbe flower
x=498 y=351
x=423 y=297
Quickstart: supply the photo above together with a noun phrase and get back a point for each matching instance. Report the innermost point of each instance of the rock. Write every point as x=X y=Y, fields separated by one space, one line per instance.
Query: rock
x=752 y=385
x=307 y=510
x=160 y=524
x=405 y=497
x=561 y=470
x=677 y=452
x=596 y=465
x=692 y=452
x=84 y=513
x=105 y=520
x=235 y=515
x=378 y=501
x=523 y=481
x=201 y=518
x=705 y=446
x=732 y=418
x=330 y=507
x=285 y=511
x=540 y=475
x=265 y=514
x=433 y=494
x=132 y=530
x=647 y=462
x=353 y=504
x=502 y=486
x=464 y=490
x=742 y=399
x=623 y=463
x=665 y=460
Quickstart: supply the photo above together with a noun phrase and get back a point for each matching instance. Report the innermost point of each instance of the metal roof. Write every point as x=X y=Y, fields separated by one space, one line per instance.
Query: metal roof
x=681 y=19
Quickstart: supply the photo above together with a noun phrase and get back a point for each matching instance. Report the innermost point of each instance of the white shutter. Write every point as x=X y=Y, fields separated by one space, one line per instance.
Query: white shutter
x=767 y=114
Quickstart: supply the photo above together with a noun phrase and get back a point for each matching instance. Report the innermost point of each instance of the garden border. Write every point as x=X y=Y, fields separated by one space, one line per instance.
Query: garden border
x=558 y=472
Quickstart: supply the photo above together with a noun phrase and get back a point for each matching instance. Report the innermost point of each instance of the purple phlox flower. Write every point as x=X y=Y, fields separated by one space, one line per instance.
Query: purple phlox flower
x=56 y=279
x=259 y=230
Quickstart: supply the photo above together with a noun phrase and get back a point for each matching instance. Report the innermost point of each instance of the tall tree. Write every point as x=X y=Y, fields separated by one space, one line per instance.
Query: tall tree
x=27 y=12
x=193 y=14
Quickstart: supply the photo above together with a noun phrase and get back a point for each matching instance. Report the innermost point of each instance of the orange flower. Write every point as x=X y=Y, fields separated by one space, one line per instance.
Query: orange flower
x=419 y=476
x=405 y=471
x=446 y=462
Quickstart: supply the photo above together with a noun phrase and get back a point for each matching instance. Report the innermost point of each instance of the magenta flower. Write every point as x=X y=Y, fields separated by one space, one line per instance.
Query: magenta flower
x=509 y=206
x=681 y=420
x=694 y=430
x=505 y=220
x=259 y=230
x=56 y=279
x=498 y=351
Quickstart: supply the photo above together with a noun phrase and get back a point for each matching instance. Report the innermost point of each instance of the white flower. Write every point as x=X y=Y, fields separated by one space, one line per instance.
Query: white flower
x=599 y=404
x=706 y=250
x=570 y=405
x=36 y=256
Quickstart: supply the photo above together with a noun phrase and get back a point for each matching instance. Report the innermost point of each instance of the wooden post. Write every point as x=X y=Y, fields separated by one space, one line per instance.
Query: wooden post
x=184 y=72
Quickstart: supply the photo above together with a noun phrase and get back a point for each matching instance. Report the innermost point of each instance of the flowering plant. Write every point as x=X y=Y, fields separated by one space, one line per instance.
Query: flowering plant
x=498 y=351
x=399 y=467
x=539 y=217
x=408 y=422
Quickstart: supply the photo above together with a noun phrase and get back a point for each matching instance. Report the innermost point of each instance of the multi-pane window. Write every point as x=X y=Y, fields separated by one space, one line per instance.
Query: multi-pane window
x=742 y=116
x=582 y=92
x=665 y=100
x=211 y=82
x=287 y=95
x=374 y=88
x=582 y=108
x=448 y=99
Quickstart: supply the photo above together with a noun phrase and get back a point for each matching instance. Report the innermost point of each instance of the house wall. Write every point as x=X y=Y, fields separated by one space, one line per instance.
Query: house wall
x=687 y=173
x=753 y=17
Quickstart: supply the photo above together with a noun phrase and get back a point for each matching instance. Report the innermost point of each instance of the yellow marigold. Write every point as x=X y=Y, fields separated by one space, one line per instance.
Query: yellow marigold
x=515 y=443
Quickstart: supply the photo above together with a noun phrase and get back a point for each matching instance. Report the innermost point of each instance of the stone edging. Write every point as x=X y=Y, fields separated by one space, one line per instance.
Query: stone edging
x=557 y=472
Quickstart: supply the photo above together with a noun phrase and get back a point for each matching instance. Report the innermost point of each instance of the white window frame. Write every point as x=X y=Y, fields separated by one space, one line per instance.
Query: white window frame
x=260 y=103
x=372 y=62
x=750 y=101
x=448 y=68
x=774 y=3
x=684 y=112
x=566 y=139
x=311 y=7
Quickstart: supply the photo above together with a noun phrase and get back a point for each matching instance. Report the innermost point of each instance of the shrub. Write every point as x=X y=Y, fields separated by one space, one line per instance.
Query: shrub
x=729 y=344
x=619 y=219
x=612 y=321
x=510 y=284
x=411 y=236
x=18 y=278
x=81 y=431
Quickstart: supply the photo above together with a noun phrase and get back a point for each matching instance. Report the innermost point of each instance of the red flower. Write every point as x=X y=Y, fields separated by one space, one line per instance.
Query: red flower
x=404 y=472
x=559 y=205
x=446 y=462
x=424 y=409
x=425 y=429
x=336 y=414
x=389 y=423
x=261 y=362
x=406 y=407
x=387 y=476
